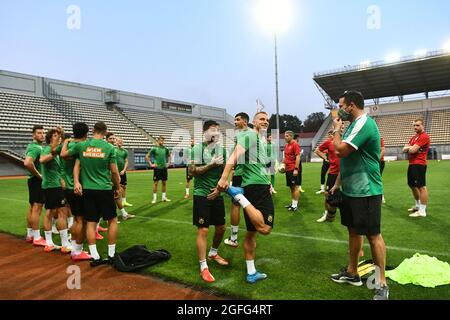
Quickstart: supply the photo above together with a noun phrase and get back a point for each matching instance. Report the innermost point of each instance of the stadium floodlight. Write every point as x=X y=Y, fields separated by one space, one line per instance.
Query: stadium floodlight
x=365 y=64
x=275 y=17
x=422 y=53
x=393 y=57
x=447 y=47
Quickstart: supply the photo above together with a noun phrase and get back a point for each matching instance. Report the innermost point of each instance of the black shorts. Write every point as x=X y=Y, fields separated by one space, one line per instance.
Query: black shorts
x=54 y=198
x=417 y=176
x=362 y=214
x=260 y=197
x=382 y=165
x=35 y=192
x=292 y=181
x=331 y=181
x=75 y=202
x=160 y=174
x=236 y=182
x=123 y=179
x=188 y=177
x=208 y=213
x=99 y=204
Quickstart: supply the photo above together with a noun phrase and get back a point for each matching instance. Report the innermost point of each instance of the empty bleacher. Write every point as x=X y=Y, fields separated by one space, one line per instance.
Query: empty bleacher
x=397 y=129
x=440 y=127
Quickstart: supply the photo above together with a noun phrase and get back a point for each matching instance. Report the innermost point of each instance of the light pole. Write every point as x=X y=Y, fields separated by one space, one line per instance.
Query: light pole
x=276 y=84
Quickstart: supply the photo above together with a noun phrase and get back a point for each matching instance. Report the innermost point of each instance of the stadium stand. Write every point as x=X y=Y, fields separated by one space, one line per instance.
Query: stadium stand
x=440 y=127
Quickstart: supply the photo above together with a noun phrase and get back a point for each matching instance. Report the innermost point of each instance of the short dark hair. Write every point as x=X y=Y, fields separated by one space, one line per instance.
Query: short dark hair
x=354 y=96
x=109 y=134
x=80 y=130
x=243 y=116
x=49 y=135
x=208 y=124
x=100 y=127
x=37 y=127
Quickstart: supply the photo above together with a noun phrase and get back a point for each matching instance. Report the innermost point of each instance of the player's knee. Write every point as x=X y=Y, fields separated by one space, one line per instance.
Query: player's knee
x=265 y=231
x=203 y=232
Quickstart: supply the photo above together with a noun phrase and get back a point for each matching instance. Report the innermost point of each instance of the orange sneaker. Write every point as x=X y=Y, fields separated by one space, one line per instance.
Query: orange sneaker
x=186 y=196
x=40 y=242
x=66 y=249
x=29 y=239
x=98 y=236
x=101 y=229
x=221 y=261
x=81 y=257
x=50 y=248
x=207 y=276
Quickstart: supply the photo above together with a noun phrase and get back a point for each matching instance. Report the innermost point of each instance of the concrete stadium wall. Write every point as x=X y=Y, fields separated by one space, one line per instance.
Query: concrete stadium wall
x=9 y=167
x=57 y=89
x=410 y=106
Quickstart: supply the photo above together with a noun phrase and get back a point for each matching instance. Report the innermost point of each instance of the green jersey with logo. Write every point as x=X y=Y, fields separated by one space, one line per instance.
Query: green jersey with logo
x=51 y=171
x=34 y=151
x=95 y=156
x=254 y=168
x=360 y=171
x=67 y=165
x=160 y=155
x=122 y=155
x=202 y=155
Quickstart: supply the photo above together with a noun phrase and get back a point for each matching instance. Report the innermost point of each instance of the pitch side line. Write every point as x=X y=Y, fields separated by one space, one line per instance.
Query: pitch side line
x=288 y=235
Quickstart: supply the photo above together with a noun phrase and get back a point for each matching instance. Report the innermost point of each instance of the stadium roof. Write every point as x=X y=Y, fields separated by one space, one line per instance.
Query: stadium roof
x=410 y=75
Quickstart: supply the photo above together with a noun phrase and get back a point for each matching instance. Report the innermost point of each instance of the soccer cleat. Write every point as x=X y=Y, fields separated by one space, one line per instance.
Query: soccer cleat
x=81 y=257
x=67 y=249
x=234 y=191
x=301 y=190
x=221 y=261
x=40 y=242
x=382 y=293
x=50 y=248
x=126 y=204
x=413 y=209
x=29 y=239
x=293 y=209
x=323 y=218
x=274 y=191
x=186 y=196
x=207 y=276
x=231 y=243
x=166 y=200
x=128 y=216
x=384 y=200
x=154 y=201
x=98 y=236
x=98 y=262
x=252 y=278
x=288 y=206
x=320 y=191
x=418 y=214
x=344 y=277
x=101 y=229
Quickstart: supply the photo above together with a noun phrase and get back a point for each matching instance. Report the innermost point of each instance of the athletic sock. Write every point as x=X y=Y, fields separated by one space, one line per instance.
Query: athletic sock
x=73 y=243
x=417 y=203
x=155 y=195
x=94 y=252
x=203 y=265
x=111 y=250
x=64 y=238
x=164 y=195
x=123 y=212
x=234 y=233
x=294 y=203
x=69 y=222
x=78 y=248
x=29 y=232
x=242 y=200
x=124 y=200
x=322 y=187
x=423 y=208
x=187 y=191
x=251 y=267
x=213 y=252
x=36 y=234
x=49 y=238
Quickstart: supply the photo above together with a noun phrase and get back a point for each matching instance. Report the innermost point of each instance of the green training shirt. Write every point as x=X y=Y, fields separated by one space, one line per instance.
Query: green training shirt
x=254 y=168
x=95 y=156
x=360 y=171
x=122 y=155
x=160 y=156
x=34 y=151
x=51 y=171
x=67 y=166
x=202 y=155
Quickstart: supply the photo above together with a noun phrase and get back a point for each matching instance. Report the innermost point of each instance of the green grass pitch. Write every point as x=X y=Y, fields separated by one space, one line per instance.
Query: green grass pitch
x=298 y=256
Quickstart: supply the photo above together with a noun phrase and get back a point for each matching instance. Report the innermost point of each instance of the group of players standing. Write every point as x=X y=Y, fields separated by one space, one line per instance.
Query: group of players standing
x=87 y=177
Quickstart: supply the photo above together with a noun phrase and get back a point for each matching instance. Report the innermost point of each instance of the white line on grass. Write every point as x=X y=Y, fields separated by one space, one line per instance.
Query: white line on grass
x=288 y=235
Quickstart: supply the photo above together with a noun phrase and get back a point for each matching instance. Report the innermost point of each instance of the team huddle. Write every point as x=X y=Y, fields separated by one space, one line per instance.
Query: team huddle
x=82 y=180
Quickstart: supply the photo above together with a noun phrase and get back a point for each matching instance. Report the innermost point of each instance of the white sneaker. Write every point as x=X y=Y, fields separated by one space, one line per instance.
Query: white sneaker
x=384 y=200
x=154 y=201
x=323 y=218
x=418 y=214
x=166 y=200
x=413 y=209
x=274 y=191
x=128 y=216
x=320 y=191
